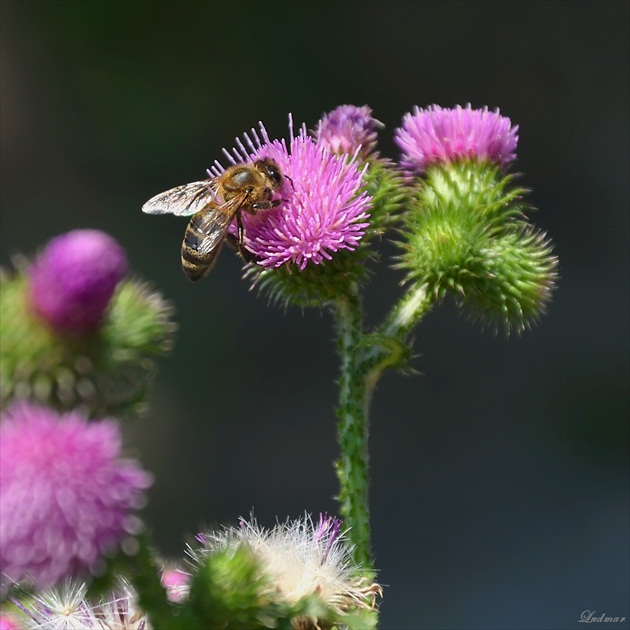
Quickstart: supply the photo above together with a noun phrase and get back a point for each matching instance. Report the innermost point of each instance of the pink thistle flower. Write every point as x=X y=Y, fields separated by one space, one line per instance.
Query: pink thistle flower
x=323 y=208
x=442 y=135
x=348 y=129
x=73 y=280
x=66 y=495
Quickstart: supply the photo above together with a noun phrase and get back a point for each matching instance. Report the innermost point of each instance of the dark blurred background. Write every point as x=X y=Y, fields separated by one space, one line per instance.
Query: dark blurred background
x=500 y=475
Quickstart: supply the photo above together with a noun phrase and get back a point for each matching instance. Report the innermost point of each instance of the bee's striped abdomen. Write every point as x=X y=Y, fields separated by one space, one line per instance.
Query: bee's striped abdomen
x=202 y=242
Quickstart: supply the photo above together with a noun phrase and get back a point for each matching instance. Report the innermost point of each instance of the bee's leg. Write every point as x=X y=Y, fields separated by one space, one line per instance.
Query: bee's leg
x=238 y=242
x=241 y=230
x=244 y=253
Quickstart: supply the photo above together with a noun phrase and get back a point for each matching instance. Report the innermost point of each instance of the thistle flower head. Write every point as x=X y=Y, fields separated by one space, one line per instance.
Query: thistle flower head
x=74 y=278
x=67 y=496
x=323 y=208
x=66 y=607
x=300 y=560
x=437 y=135
x=348 y=129
x=105 y=373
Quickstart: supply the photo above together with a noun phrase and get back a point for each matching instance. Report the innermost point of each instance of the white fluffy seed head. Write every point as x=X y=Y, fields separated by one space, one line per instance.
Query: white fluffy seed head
x=300 y=559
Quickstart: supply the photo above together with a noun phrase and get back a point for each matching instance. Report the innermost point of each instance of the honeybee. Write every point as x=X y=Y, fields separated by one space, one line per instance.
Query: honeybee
x=213 y=204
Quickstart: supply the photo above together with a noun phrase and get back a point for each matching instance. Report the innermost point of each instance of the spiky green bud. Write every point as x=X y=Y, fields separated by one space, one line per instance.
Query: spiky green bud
x=466 y=234
x=229 y=591
x=513 y=281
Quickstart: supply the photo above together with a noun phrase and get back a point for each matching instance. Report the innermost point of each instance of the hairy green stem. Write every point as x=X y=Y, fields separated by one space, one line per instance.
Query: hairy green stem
x=408 y=312
x=389 y=346
x=143 y=573
x=364 y=357
x=352 y=429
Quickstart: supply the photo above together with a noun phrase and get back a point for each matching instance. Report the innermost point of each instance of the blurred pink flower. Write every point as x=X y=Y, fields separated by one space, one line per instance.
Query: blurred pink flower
x=324 y=208
x=74 y=278
x=8 y=623
x=176 y=582
x=66 y=496
x=442 y=135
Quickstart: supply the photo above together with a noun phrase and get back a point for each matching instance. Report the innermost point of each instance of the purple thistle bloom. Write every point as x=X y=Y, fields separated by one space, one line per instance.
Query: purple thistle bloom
x=327 y=532
x=348 y=129
x=66 y=496
x=73 y=280
x=323 y=208
x=442 y=135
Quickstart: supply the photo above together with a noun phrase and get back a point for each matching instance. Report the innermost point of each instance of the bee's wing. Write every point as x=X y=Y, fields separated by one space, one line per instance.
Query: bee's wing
x=207 y=229
x=183 y=200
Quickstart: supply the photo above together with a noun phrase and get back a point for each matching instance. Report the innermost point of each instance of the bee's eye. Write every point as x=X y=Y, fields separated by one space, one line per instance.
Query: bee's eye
x=271 y=170
x=274 y=173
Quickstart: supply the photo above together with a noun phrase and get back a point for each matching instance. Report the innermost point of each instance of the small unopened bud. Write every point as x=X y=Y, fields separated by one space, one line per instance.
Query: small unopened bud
x=514 y=281
x=347 y=129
